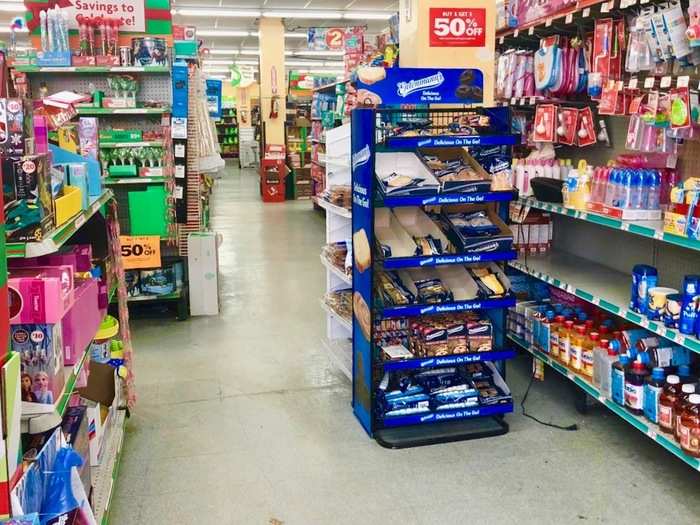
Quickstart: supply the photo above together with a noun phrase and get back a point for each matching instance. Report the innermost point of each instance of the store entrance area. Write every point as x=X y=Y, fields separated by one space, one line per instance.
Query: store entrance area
x=242 y=418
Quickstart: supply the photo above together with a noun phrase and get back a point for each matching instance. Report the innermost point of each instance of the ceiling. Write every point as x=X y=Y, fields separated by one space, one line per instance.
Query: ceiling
x=244 y=47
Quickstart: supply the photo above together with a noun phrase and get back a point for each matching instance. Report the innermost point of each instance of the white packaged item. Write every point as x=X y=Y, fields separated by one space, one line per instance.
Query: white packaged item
x=203 y=269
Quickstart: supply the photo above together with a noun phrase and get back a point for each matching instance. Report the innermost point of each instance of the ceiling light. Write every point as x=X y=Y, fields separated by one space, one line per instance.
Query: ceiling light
x=296 y=35
x=302 y=63
x=302 y=13
x=247 y=62
x=224 y=32
x=340 y=65
x=222 y=13
x=216 y=70
x=375 y=15
x=311 y=53
x=250 y=52
x=224 y=52
x=208 y=62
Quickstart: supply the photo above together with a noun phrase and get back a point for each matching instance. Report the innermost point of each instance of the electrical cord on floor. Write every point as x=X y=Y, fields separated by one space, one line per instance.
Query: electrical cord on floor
x=552 y=425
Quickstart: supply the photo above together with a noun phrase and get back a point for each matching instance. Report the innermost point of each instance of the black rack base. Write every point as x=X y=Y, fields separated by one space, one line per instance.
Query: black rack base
x=436 y=433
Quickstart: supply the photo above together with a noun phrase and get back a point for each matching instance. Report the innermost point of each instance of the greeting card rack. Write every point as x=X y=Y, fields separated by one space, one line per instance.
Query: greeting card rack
x=383 y=131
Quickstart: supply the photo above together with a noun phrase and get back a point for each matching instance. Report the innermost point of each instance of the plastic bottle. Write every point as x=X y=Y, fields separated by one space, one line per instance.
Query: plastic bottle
x=576 y=348
x=612 y=191
x=653 y=387
x=690 y=427
x=565 y=342
x=589 y=345
x=545 y=331
x=556 y=169
x=636 y=199
x=603 y=184
x=652 y=188
x=672 y=389
x=527 y=175
x=602 y=366
x=635 y=377
x=554 y=330
x=547 y=168
x=679 y=407
x=617 y=380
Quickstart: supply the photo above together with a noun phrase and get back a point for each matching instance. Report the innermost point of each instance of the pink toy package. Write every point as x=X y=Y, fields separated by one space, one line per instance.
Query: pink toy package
x=81 y=321
x=40 y=294
x=79 y=256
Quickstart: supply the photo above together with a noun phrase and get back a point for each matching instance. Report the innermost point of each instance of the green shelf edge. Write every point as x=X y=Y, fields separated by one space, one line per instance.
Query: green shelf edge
x=646 y=428
x=121 y=111
x=615 y=224
x=76 y=70
x=676 y=336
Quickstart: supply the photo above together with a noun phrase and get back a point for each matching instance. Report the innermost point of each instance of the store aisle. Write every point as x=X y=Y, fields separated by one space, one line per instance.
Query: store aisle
x=241 y=418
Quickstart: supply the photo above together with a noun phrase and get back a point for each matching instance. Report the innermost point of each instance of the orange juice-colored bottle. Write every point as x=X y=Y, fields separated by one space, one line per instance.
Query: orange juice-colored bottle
x=578 y=338
x=565 y=342
x=589 y=345
x=554 y=335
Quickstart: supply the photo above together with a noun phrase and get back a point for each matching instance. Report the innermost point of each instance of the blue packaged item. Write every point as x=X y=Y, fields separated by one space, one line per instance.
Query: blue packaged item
x=414 y=401
x=407 y=411
x=653 y=387
x=454 y=394
x=29 y=519
x=689 y=314
x=78 y=177
x=180 y=87
x=672 y=312
x=644 y=277
x=691 y=285
x=617 y=380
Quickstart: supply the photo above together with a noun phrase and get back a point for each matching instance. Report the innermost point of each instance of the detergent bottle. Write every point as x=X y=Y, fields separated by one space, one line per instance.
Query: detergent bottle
x=603 y=359
x=667 y=400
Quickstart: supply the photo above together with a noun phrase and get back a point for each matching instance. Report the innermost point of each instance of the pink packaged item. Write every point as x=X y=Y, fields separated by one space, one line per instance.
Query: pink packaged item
x=41 y=294
x=78 y=256
x=81 y=321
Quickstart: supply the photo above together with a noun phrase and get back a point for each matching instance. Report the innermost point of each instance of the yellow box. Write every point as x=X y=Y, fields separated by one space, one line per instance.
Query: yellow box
x=68 y=138
x=68 y=205
x=675 y=223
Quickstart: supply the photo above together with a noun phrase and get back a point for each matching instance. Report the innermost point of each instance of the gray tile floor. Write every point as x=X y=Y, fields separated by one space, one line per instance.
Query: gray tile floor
x=242 y=419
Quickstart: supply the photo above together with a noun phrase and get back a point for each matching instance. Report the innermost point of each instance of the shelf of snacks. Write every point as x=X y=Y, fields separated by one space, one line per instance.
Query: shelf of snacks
x=649 y=429
x=337 y=304
x=433 y=268
x=52 y=241
x=335 y=270
x=602 y=286
x=334 y=208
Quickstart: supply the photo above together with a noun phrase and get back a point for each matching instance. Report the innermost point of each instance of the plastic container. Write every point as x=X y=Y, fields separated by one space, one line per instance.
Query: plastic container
x=565 y=334
x=617 y=380
x=690 y=427
x=644 y=277
x=101 y=347
x=603 y=359
x=685 y=374
x=589 y=345
x=555 y=328
x=578 y=339
x=679 y=406
x=635 y=377
x=667 y=400
x=653 y=387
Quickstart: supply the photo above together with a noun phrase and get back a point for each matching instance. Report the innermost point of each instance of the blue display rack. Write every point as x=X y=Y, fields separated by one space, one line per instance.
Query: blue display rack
x=367 y=369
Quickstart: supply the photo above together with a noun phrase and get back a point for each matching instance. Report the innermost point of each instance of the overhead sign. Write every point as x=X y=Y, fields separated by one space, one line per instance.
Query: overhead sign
x=457 y=27
x=336 y=38
x=140 y=251
x=377 y=86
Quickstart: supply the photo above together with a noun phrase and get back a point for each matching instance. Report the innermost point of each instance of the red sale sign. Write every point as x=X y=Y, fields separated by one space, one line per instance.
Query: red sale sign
x=450 y=27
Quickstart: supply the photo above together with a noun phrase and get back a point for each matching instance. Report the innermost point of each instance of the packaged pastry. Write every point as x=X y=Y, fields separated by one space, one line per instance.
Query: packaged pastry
x=489 y=283
x=475 y=224
x=428 y=245
x=480 y=335
x=432 y=291
x=392 y=290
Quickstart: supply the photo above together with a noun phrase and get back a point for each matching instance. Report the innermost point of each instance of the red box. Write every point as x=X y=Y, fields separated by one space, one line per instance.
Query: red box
x=273 y=174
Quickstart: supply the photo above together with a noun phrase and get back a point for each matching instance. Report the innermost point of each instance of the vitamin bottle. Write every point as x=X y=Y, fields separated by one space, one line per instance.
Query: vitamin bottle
x=690 y=427
x=576 y=348
x=635 y=376
x=653 y=387
x=672 y=389
x=686 y=390
x=589 y=346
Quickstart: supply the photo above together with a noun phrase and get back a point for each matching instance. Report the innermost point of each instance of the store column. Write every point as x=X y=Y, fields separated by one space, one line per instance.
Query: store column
x=272 y=84
x=449 y=33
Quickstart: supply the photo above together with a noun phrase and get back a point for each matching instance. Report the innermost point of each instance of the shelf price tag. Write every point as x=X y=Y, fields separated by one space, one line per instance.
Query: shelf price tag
x=140 y=251
x=605 y=7
x=633 y=83
x=649 y=82
x=683 y=81
x=516 y=33
x=666 y=81
x=531 y=31
x=548 y=22
x=569 y=18
x=586 y=12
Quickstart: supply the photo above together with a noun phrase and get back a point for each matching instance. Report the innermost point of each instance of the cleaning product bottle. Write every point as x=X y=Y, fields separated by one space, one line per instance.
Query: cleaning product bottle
x=589 y=346
x=617 y=380
x=556 y=169
x=565 y=342
x=546 y=331
x=576 y=348
x=653 y=387
x=679 y=407
x=612 y=188
x=635 y=376
x=672 y=389
x=602 y=366
x=690 y=427
x=555 y=328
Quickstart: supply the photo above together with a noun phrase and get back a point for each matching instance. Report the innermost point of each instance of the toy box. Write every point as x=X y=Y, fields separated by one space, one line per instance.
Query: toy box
x=40 y=348
x=161 y=281
x=40 y=294
x=81 y=321
x=10 y=442
x=28 y=204
x=12 y=127
x=68 y=138
x=87 y=136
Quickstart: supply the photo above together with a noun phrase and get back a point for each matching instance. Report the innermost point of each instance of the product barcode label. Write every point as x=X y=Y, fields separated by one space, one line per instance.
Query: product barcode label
x=605 y=8
x=533 y=100
x=513 y=101
x=80 y=221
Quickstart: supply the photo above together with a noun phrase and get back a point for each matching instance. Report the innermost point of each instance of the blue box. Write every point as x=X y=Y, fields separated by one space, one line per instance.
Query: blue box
x=53 y=58
x=180 y=86
x=78 y=176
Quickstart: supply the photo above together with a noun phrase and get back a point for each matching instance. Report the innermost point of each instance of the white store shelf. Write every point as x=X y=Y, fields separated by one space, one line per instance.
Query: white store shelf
x=332 y=268
x=340 y=354
x=344 y=321
x=332 y=208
